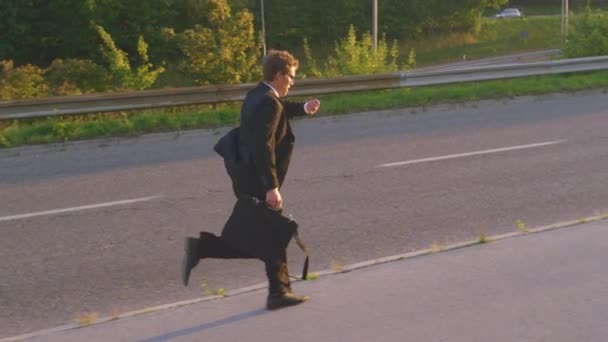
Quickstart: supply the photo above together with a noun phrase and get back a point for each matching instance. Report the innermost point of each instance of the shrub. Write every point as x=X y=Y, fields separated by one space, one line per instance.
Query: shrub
x=354 y=57
x=224 y=50
x=589 y=36
x=76 y=76
x=310 y=68
x=123 y=76
x=21 y=83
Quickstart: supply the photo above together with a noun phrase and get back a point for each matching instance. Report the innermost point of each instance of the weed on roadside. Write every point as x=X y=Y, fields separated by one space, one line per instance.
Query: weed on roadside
x=115 y=313
x=217 y=292
x=483 y=236
x=521 y=226
x=435 y=247
x=312 y=276
x=337 y=265
x=87 y=318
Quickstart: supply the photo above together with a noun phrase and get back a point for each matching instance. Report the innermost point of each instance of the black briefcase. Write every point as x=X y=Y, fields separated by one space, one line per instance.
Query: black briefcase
x=261 y=231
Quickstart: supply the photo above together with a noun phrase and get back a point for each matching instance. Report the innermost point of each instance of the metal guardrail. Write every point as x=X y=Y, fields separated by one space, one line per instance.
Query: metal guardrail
x=112 y=102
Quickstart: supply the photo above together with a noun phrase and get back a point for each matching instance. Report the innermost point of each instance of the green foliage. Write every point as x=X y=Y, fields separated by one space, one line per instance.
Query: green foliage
x=21 y=83
x=37 y=32
x=76 y=76
x=126 y=21
x=356 y=57
x=121 y=73
x=589 y=36
x=223 y=52
x=145 y=77
x=419 y=19
x=321 y=21
x=11 y=27
x=352 y=56
x=411 y=60
x=59 y=129
x=310 y=68
x=4 y=141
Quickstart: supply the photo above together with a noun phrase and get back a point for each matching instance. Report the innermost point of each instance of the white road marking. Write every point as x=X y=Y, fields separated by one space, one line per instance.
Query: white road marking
x=84 y=207
x=468 y=154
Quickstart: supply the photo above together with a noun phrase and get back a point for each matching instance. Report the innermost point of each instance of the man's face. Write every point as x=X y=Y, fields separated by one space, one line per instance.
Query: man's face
x=282 y=82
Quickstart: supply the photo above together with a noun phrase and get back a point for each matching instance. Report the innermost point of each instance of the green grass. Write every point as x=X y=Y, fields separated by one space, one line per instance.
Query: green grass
x=61 y=129
x=58 y=129
x=496 y=37
x=414 y=97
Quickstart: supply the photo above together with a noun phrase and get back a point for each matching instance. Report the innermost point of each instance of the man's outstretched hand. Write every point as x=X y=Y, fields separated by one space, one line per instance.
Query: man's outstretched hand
x=274 y=199
x=311 y=107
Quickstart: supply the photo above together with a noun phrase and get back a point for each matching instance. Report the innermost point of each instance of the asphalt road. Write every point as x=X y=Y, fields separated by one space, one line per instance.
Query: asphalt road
x=99 y=226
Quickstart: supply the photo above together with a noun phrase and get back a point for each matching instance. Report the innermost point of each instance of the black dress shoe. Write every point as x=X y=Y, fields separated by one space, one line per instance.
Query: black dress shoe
x=191 y=258
x=287 y=299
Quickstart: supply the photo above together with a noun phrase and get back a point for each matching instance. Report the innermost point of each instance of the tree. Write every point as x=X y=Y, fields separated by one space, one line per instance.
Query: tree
x=414 y=19
x=126 y=21
x=225 y=51
x=37 y=31
x=321 y=21
x=11 y=28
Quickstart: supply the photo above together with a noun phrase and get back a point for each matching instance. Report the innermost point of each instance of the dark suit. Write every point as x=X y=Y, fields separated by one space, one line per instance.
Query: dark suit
x=258 y=163
x=265 y=140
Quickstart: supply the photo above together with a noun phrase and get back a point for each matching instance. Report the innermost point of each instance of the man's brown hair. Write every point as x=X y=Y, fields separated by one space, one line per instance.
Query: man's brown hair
x=278 y=61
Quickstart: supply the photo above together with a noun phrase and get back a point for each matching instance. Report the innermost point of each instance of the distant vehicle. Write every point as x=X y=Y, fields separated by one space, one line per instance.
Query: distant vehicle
x=509 y=13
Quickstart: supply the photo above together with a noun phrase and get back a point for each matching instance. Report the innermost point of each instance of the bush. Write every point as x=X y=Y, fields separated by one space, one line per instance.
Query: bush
x=354 y=57
x=122 y=75
x=24 y=82
x=224 y=51
x=76 y=76
x=589 y=36
x=357 y=57
x=310 y=68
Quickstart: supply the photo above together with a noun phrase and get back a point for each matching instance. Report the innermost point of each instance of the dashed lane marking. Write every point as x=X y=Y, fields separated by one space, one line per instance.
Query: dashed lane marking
x=80 y=208
x=475 y=153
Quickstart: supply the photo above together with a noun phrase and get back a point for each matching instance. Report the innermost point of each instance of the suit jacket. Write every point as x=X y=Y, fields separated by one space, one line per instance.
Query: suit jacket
x=256 y=156
x=265 y=140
